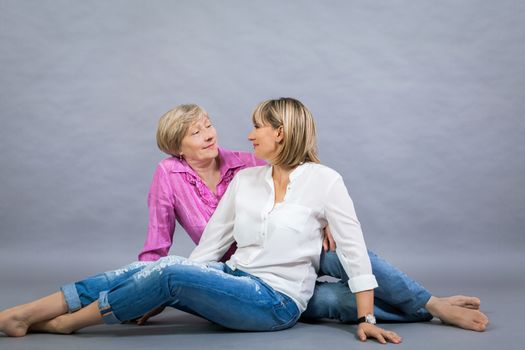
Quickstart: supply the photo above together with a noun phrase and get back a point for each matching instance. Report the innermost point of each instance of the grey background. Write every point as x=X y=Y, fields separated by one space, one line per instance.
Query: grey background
x=419 y=105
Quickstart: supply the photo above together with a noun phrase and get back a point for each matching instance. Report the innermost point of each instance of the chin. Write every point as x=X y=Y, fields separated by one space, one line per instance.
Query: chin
x=212 y=153
x=259 y=155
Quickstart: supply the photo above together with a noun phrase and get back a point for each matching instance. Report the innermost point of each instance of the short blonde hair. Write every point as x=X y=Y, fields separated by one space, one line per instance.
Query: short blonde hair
x=174 y=124
x=299 y=144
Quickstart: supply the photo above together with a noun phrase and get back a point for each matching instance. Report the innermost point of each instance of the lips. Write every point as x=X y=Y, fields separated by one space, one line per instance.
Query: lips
x=209 y=146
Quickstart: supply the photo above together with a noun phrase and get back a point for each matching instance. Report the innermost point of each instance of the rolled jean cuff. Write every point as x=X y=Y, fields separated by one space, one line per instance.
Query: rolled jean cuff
x=105 y=309
x=423 y=299
x=71 y=297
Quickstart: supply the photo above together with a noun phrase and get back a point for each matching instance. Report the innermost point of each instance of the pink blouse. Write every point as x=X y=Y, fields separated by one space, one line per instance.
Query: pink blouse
x=177 y=193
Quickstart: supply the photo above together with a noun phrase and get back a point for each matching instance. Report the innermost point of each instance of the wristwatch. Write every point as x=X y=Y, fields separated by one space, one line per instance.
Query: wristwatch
x=367 y=319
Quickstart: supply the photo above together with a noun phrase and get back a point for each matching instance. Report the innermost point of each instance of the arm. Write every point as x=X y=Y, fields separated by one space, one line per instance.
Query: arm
x=161 y=223
x=218 y=234
x=352 y=253
x=346 y=230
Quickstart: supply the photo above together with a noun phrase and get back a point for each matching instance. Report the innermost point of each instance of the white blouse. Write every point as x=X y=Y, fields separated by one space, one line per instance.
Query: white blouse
x=282 y=244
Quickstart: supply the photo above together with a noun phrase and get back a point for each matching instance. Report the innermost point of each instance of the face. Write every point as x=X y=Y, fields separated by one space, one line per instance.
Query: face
x=200 y=142
x=265 y=140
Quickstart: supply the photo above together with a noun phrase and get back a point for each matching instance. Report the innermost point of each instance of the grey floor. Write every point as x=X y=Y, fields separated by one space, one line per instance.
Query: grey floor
x=500 y=285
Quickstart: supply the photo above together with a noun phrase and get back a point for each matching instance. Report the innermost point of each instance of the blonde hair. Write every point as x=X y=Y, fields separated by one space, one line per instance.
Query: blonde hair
x=174 y=124
x=299 y=144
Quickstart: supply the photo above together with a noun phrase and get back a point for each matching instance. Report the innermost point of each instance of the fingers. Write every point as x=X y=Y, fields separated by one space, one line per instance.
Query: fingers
x=380 y=338
x=361 y=334
x=381 y=335
x=328 y=237
x=141 y=321
x=392 y=337
x=332 y=245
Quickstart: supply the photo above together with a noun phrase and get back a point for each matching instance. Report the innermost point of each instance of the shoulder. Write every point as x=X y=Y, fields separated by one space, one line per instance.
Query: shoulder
x=245 y=159
x=251 y=177
x=321 y=172
x=253 y=172
x=169 y=164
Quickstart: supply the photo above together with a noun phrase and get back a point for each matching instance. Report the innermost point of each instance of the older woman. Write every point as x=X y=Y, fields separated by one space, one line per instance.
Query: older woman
x=275 y=213
x=187 y=188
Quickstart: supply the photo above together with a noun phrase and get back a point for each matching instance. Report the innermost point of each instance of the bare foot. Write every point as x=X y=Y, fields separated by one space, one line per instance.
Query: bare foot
x=458 y=316
x=464 y=301
x=13 y=323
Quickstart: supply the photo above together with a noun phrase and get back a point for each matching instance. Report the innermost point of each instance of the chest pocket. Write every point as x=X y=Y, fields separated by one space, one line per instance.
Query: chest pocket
x=289 y=218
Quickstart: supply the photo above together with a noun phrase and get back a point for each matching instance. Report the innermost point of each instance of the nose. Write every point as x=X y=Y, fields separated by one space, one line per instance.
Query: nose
x=251 y=135
x=210 y=135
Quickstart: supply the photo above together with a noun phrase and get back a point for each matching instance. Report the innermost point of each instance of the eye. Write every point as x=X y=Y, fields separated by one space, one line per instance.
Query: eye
x=195 y=132
x=209 y=126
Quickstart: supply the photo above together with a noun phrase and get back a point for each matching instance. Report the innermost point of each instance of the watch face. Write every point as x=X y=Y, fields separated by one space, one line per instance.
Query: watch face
x=370 y=319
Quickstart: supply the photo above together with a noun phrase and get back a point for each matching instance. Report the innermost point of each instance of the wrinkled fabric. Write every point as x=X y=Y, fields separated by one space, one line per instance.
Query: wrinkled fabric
x=177 y=194
x=233 y=299
x=281 y=242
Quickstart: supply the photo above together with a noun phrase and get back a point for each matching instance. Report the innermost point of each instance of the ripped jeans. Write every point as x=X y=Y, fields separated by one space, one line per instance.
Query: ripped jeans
x=230 y=298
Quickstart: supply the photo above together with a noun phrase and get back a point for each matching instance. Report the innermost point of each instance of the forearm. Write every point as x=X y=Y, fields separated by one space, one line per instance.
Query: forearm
x=365 y=302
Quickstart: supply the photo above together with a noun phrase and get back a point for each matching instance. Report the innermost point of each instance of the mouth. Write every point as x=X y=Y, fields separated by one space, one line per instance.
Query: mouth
x=209 y=146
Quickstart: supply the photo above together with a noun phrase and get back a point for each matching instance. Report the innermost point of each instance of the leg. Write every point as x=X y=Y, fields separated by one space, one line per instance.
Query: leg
x=18 y=320
x=86 y=291
x=233 y=299
x=15 y=321
x=336 y=301
x=398 y=292
x=68 y=323
x=396 y=289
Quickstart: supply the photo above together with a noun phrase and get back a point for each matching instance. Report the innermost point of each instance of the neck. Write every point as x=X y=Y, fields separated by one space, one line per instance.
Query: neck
x=280 y=174
x=204 y=167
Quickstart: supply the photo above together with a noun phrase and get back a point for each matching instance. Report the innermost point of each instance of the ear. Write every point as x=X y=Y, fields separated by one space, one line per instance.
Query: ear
x=279 y=134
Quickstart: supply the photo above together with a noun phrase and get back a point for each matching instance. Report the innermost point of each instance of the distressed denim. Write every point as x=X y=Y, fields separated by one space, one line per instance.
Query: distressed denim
x=230 y=298
x=397 y=299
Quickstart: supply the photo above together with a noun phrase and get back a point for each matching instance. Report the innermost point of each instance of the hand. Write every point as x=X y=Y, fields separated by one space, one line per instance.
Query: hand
x=142 y=320
x=367 y=330
x=328 y=240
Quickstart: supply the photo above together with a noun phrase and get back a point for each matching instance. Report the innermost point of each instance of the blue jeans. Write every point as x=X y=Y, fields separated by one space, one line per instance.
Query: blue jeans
x=231 y=298
x=397 y=299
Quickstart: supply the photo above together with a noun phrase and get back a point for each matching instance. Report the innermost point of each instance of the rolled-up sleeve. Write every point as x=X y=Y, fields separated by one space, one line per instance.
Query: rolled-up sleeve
x=346 y=229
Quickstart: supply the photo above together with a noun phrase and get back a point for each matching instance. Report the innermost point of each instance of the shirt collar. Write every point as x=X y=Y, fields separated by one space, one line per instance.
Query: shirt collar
x=293 y=175
x=227 y=160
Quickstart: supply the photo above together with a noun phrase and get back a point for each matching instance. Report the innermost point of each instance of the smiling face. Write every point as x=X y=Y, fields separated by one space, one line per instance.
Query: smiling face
x=200 y=141
x=266 y=140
